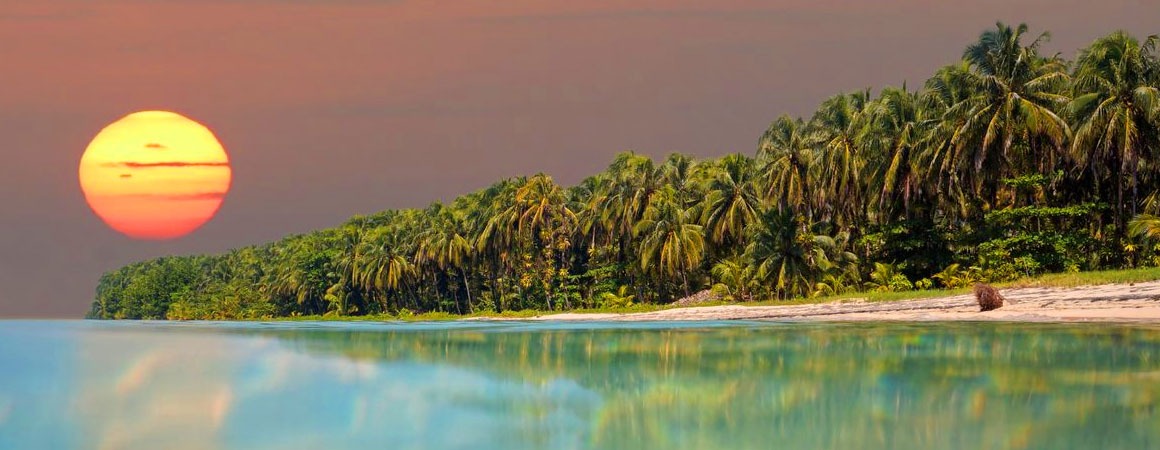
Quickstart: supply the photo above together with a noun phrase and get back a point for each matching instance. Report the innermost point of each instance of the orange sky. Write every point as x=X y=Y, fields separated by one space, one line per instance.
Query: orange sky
x=335 y=107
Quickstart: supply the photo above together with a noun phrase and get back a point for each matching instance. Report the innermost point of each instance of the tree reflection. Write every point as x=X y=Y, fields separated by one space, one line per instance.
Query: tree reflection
x=810 y=385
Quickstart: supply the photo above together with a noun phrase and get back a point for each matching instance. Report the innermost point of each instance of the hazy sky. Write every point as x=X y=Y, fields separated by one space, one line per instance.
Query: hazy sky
x=330 y=108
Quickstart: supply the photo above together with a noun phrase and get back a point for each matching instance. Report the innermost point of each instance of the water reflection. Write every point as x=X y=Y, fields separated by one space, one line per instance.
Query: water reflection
x=738 y=385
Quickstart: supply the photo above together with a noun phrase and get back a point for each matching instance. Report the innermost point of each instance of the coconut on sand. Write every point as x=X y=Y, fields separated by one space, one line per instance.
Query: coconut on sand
x=988 y=297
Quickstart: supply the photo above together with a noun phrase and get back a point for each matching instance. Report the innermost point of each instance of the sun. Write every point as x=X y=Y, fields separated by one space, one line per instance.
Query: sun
x=155 y=175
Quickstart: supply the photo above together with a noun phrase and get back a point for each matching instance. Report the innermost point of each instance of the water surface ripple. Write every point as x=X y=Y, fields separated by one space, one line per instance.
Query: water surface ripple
x=520 y=385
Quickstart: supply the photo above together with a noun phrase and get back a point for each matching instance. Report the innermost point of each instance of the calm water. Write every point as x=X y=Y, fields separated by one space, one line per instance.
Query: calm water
x=98 y=385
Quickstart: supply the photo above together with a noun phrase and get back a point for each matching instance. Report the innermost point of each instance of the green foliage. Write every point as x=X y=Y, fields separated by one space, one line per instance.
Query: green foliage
x=1033 y=239
x=735 y=278
x=1008 y=164
x=955 y=277
x=621 y=299
x=925 y=246
x=888 y=278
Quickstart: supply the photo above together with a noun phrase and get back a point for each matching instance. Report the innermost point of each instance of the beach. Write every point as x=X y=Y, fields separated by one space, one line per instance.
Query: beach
x=1136 y=302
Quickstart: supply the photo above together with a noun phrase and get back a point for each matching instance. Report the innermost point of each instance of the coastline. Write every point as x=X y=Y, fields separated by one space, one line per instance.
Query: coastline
x=1133 y=302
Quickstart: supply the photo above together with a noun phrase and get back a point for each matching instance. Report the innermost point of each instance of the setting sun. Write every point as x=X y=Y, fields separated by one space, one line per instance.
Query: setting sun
x=155 y=175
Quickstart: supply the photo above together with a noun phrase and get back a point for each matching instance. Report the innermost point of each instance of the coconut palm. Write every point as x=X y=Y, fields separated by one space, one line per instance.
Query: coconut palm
x=888 y=278
x=346 y=263
x=625 y=193
x=944 y=102
x=736 y=274
x=896 y=140
x=1011 y=113
x=583 y=200
x=496 y=240
x=786 y=155
x=1145 y=225
x=677 y=171
x=731 y=202
x=1115 y=107
x=302 y=272
x=543 y=218
x=671 y=241
x=388 y=262
x=444 y=246
x=840 y=125
x=632 y=180
x=782 y=253
x=541 y=207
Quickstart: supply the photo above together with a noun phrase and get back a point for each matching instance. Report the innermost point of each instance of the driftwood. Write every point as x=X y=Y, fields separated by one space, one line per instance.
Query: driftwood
x=988 y=297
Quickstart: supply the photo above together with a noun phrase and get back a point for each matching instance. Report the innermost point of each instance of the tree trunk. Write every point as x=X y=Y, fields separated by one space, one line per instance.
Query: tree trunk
x=455 y=295
x=685 y=282
x=1135 y=178
x=1008 y=140
x=467 y=287
x=1119 y=200
x=1118 y=239
x=496 y=287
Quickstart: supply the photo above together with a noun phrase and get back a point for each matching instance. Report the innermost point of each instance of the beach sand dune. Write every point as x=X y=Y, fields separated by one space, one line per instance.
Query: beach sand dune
x=1139 y=302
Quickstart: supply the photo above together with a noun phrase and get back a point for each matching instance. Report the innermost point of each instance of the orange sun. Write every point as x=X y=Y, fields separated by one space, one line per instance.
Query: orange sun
x=155 y=175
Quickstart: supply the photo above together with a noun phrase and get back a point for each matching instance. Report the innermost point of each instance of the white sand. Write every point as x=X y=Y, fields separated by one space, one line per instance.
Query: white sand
x=1103 y=303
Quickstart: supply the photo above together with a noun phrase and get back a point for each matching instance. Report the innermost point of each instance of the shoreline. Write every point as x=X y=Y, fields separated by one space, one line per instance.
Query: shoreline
x=1133 y=302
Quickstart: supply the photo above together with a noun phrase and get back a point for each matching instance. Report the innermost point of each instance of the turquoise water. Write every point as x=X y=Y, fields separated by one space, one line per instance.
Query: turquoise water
x=134 y=385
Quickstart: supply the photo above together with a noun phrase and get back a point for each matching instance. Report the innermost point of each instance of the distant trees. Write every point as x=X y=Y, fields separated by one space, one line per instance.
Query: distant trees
x=1006 y=164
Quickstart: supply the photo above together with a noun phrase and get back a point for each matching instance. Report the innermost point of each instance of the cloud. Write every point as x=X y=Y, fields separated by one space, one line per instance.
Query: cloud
x=126 y=175
x=156 y=146
x=153 y=165
x=193 y=196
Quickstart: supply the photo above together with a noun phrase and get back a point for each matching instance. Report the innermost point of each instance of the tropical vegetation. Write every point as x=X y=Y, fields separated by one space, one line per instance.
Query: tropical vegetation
x=1009 y=163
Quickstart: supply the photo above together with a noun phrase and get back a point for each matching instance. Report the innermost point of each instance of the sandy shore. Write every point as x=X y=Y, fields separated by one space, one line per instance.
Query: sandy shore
x=1103 y=303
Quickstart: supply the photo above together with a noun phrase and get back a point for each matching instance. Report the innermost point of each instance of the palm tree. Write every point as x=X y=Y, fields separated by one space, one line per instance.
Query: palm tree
x=784 y=254
x=632 y=180
x=542 y=217
x=496 y=239
x=731 y=202
x=835 y=268
x=677 y=171
x=541 y=207
x=897 y=138
x=445 y=247
x=672 y=243
x=786 y=155
x=1016 y=93
x=841 y=125
x=302 y=271
x=388 y=262
x=944 y=101
x=1115 y=107
x=347 y=261
x=619 y=299
x=626 y=192
x=1145 y=225
x=888 y=278
x=583 y=199
x=736 y=274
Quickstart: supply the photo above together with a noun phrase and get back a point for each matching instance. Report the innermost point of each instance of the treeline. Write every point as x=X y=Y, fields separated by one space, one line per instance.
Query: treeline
x=1009 y=163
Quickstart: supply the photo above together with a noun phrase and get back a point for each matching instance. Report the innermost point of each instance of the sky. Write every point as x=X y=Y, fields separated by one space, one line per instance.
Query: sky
x=330 y=108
